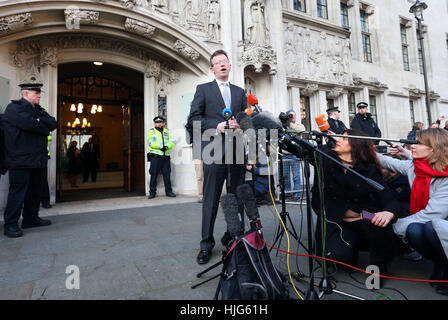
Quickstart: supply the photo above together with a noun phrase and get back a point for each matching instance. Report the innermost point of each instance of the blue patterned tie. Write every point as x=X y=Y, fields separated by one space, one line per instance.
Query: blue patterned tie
x=226 y=94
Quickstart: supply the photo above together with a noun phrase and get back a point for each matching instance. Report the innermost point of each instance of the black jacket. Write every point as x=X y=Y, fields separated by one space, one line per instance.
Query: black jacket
x=337 y=126
x=2 y=149
x=26 y=128
x=367 y=124
x=344 y=191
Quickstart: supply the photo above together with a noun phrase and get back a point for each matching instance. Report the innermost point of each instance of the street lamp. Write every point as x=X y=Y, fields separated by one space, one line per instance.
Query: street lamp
x=417 y=9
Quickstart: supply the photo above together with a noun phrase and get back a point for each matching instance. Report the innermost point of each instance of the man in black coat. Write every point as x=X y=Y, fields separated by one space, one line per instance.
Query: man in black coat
x=91 y=156
x=363 y=121
x=208 y=103
x=26 y=127
x=336 y=125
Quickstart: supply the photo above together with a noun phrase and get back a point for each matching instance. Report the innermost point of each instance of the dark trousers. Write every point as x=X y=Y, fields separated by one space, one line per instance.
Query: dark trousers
x=423 y=238
x=90 y=167
x=25 y=188
x=160 y=164
x=214 y=177
x=45 y=197
x=361 y=235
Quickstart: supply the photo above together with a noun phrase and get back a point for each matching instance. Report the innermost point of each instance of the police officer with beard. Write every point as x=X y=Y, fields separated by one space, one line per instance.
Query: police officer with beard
x=26 y=128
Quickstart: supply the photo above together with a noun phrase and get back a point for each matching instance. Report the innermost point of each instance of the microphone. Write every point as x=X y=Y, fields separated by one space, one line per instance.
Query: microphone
x=322 y=123
x=244 y=120
x=227 y=113
x=253 y=101
x=229 y=205
x=324 y=126
x=246 y=196
x=266 y=120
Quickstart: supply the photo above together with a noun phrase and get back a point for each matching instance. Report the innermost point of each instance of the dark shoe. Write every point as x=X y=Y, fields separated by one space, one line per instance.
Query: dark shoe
x=46 y=206
x=203 y=257
x=171 y=194
x=439 y=272
x=442 y=288
x=151 y=196
x=413 y=256
x=38 y=222
x=13 y=232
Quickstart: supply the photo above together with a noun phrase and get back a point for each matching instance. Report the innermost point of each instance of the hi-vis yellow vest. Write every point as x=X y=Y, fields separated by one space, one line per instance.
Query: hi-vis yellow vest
x=156 y=141
x=49 y=138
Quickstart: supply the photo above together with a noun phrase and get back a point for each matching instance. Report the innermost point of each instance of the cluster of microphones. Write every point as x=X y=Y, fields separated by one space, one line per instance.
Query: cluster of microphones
x=230 y=203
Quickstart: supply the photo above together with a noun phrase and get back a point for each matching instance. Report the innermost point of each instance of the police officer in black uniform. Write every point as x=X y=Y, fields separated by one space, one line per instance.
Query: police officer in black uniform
x=26 y=127
x=336 y=125
x=363 y=121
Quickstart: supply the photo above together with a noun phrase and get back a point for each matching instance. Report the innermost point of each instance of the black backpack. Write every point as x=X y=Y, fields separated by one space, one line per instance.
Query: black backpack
x=248 y=272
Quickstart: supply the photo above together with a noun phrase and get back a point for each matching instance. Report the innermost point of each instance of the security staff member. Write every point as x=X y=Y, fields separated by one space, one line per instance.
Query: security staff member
x=336 y=125
x=160 y=141
x=45 y=198
x=26 y=128
x=363 y=121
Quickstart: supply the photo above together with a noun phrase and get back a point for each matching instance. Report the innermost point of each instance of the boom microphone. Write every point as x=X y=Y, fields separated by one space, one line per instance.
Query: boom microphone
x=253 y=101
x=266 y=120
x=229 y=205
x=246 y=196
x=244 y=121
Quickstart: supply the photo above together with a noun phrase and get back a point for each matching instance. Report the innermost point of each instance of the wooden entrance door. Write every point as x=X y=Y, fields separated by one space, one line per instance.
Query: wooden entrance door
x=134 y=147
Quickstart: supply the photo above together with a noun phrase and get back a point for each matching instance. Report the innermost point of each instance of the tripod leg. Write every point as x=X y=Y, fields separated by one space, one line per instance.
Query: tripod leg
x=208 y=269
x=199 y=284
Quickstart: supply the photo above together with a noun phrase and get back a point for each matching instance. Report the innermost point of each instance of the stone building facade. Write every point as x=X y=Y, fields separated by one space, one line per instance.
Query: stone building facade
x=300 y=54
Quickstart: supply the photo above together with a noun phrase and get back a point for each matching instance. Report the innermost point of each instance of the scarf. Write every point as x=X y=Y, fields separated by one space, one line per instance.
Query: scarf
x=420 y=187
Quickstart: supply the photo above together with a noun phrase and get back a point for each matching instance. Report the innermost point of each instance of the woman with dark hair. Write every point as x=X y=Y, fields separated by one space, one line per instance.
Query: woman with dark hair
x=346 y=196
x=426 y=228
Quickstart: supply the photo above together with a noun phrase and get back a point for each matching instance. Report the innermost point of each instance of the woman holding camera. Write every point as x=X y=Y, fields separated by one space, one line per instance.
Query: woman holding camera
x=346 y=196
x=426 y=229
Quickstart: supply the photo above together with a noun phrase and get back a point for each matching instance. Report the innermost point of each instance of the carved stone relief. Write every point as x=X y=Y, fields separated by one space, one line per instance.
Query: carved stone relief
x=152 y=69
x=11 y=23
x=257 y=57
x=139 y=27
x=256 y=30
x=317 y=56
x=74 y=17
x=309 y=89
x=185 y=50
x=49 y=56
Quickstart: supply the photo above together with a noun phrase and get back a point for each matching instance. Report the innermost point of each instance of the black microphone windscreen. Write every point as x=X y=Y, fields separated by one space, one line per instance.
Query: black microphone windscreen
x=235 y=224
x=265 y=120
x=246 y=196
x=244 y=120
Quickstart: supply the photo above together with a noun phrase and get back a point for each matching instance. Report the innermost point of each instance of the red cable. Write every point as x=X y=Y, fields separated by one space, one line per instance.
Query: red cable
x=357 y=269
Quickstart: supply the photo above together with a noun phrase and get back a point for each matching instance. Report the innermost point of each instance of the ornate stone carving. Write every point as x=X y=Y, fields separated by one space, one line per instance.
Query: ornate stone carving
x=319 y=57
x=128 y=3
x=334 y=93
x=163 y=86
x=309 y=89
x=152 y=69
x=49 y=56
x=74 y=17
x=258 y=56
x=256 y=30
x=186 y=50
x=139 y=27
x=11 y=23
x=174 y=77
x=213 y=20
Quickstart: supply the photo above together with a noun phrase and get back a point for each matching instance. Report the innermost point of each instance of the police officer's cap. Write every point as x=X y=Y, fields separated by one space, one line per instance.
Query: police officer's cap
x=31 y=84
x=333 y=109
x=361 y=105
x=159 y=119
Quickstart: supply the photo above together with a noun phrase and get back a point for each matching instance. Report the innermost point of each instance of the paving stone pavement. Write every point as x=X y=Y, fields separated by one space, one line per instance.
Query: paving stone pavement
x=134 y=249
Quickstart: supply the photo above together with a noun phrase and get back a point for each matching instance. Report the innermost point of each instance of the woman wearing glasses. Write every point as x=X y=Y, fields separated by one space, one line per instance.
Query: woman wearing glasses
x=426 y=229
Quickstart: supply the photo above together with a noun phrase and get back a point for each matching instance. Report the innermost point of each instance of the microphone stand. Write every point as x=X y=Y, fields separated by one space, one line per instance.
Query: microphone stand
x=404 y=141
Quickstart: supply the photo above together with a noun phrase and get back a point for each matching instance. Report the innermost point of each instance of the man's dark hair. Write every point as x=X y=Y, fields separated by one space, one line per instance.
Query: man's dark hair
x=217 y=53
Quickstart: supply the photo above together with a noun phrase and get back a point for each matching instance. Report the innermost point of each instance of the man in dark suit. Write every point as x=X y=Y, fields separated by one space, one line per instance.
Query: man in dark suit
x=206 y=108
x=91 y=155
x=336 y=125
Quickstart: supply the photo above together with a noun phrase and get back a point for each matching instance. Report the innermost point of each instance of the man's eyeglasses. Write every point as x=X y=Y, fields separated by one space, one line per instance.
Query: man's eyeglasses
x=220 y=62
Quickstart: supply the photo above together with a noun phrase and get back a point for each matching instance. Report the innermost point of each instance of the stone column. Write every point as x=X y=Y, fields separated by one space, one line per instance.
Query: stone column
x=295 y=101
x=150 y=110
x=343 y=106
x=49 y=101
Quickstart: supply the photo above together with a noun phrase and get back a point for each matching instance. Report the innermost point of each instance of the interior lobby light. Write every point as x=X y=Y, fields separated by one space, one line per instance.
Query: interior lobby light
x=84 y=121
x=73 y=107
x=80 y=107
x=98 y=63
x=100 y=109
x=77 y=121
x=88 y=124
x=69 y=124
x=93 y=110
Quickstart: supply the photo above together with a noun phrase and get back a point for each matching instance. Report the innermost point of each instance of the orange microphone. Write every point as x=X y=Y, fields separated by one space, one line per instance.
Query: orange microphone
x=253 y=101
x=248 y=111
x=322 y=123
